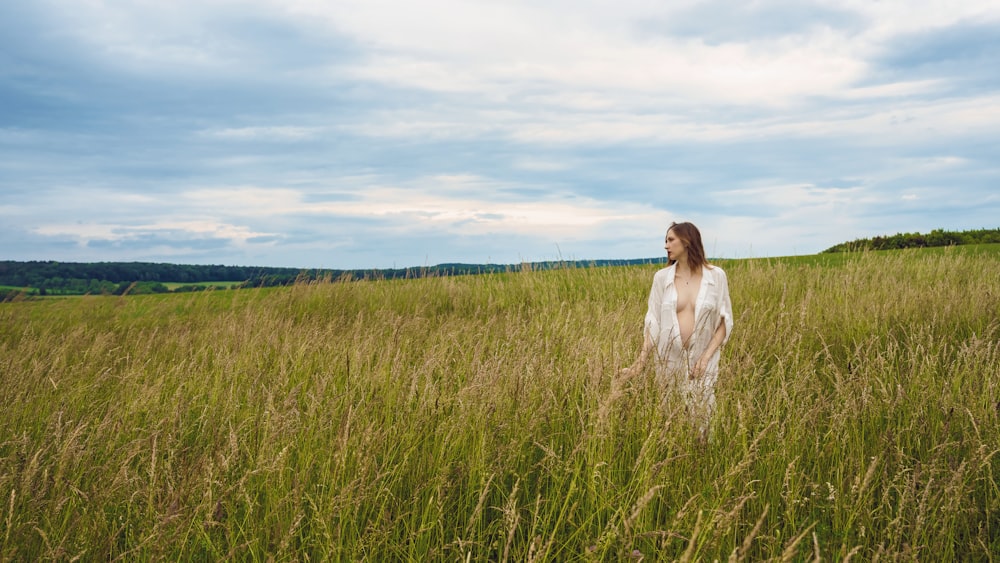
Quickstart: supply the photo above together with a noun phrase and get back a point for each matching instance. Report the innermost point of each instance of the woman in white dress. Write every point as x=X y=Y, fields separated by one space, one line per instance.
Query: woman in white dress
x=689 y=319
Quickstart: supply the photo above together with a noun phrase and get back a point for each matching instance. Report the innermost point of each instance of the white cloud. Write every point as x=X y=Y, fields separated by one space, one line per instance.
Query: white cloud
x=893 y=17
x=906 y=121
x=263 y=133
x=460 y=204
x=478 y=215
x=793 y=196
x=184 y=229
x=504 y=123
x=244 y=201
x=903 y=89
x=540 y=164
x=618 y=66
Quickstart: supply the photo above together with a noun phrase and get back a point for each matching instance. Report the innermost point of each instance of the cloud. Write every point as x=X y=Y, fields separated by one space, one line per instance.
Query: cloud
x=274 y=133
x=540 y=165
x=974 y=42
x=462 y=205
x=718 y=22
x=95 y=233
x=793 y=196
x=953 y=55
x=369 y=133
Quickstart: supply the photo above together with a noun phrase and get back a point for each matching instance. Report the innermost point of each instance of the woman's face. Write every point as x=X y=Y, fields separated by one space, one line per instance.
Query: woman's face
x=674 y=246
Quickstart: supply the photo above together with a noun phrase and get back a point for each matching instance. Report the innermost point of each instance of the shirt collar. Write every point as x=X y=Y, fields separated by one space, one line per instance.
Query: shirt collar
x=706 y=277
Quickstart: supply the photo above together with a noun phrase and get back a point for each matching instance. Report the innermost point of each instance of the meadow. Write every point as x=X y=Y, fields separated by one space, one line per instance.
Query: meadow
x=173 y=286
x=482 y=418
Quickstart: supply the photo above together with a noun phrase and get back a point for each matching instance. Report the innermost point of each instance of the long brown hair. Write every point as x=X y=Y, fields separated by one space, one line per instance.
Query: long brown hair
x=690 y=237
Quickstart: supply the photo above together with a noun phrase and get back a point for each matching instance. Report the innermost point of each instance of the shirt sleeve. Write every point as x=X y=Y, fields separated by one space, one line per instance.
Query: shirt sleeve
x=652 y=321
x=725 y=304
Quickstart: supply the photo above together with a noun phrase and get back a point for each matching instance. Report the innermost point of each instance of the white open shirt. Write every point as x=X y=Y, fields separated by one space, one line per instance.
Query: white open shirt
x=712 y=304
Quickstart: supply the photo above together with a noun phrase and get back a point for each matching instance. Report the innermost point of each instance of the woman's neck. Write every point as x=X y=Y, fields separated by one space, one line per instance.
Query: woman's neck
x=683 y=268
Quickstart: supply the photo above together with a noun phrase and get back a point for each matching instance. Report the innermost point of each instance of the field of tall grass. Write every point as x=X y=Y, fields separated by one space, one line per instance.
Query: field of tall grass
x=482 y=418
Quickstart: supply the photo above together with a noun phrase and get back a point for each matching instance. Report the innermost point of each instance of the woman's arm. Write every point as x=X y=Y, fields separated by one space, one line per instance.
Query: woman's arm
x=717 y=339
x=640 y=363
x=650 y=327
x=722 y=331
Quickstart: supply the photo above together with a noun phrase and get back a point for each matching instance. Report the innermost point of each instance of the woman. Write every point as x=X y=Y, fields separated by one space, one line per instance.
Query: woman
x=689 y=319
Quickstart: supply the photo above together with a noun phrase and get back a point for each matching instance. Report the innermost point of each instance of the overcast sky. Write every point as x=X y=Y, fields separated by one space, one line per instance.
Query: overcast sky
x=393 y=133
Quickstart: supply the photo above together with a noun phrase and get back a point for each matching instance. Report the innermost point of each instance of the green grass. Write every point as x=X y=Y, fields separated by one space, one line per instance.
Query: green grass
x=482 y=418
x=216 y=284
x=840 y=258
x=5 y=288
x=172 y=286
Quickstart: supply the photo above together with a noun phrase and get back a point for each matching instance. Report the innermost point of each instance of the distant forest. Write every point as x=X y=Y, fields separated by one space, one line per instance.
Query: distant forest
x=936 y=237
x=39 y=278
x=118 y=278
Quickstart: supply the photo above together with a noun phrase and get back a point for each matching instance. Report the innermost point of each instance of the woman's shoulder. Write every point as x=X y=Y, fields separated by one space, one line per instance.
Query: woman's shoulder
x=716 y=271
x=664 y=272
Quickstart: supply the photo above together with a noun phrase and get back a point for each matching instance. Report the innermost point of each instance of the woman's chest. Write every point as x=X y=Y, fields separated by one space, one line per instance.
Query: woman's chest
x=686 y=296
x=699 y=299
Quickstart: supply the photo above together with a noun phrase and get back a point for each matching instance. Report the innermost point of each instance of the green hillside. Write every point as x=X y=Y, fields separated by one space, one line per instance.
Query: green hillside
x=482 y=418
x=935 y=238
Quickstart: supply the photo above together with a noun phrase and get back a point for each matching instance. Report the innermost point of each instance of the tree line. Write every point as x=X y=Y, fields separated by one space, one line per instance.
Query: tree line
x=118 y=278
x=937 y=237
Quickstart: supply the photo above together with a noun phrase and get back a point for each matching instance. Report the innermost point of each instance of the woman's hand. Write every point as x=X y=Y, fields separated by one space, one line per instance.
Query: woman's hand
x=628 y=372
x=634 y=369
x=699 y=368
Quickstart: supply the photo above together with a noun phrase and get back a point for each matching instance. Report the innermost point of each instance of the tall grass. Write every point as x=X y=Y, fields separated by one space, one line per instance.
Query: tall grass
x=481 y=418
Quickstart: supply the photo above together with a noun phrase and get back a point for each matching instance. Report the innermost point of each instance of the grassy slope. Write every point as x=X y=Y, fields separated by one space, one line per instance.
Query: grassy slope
x=217 y=284
x=839 y=258
x=481 y=416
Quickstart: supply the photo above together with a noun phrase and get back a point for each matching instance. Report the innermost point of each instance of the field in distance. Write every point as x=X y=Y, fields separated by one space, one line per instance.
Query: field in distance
x=482 y=418
x=174 y=286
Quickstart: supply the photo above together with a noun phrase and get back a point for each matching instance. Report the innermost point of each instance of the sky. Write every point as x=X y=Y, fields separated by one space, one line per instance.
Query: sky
x=390 y=133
